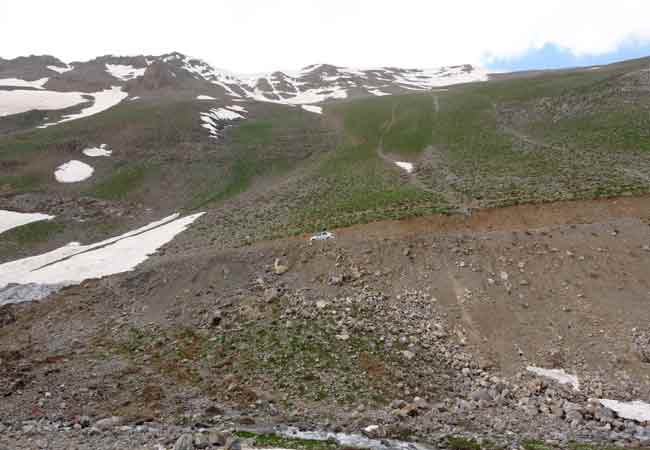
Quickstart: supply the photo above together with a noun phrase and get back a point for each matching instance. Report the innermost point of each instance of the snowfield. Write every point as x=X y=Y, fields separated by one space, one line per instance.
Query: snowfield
x=73 y=172
x=94 y=152
x=103 y=100
x=16 y=82
x=558 y=375
x=204 y=97
x=20 y=101
x=11 y=219
x=124 y=72
x=75 y=263
x=313 y=109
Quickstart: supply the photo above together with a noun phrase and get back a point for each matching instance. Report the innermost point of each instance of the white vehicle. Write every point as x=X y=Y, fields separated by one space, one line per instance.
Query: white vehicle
x=322 y=236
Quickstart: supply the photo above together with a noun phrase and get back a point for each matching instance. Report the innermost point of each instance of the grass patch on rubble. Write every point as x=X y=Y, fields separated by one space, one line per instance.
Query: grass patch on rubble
x=296 y=357
x=33 y=232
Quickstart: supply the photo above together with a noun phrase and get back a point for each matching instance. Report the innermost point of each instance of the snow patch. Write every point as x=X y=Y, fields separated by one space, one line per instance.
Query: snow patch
x=558 y=375
x=215 y=120
x=74 y=263
x=204 y=97
x=103 y=100
x=60 y=69
x=637 y=410
x=16 y=82
x=378 y=93
x=12 y=219
x=237 y=108
x=73 y=172
x=94 y=152
x=124 y=72
x=313 y=109
x=20 y=101
x=405 y=165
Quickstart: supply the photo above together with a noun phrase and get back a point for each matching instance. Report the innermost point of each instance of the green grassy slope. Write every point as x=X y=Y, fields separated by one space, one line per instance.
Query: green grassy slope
x=283 y=171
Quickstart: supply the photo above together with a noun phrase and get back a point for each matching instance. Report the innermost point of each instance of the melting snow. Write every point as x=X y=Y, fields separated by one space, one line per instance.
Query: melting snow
x=405 y=165
x=60 y=69
x=73 y=171
x=16 y=102
x=204 y=97
x=124 y=72
x=15 y=82
x=637 y=410
x=313 y=109
x=558 y=375
x=351 y=440
x=102 y=150
x=75 y=263
x=103 y=100
x=11 y=219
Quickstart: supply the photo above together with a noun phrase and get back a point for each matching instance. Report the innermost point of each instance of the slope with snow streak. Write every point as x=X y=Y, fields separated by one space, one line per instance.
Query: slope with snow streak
x=103 y=100
x=75 y=263
x=12 y=219
x=124 y=72
x=320 y=83
x=217 y=119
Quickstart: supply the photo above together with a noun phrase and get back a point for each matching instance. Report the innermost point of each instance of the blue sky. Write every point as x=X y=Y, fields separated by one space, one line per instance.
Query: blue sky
x=551 y=56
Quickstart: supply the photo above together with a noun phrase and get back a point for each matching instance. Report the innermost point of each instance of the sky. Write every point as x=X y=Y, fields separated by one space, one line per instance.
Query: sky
x=250 y=36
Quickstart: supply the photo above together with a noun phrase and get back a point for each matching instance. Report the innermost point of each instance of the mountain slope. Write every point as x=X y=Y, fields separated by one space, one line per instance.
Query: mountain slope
x=491 y=244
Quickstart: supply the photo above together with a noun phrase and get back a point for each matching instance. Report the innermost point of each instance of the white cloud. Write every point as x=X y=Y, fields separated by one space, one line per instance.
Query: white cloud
x=257 y=35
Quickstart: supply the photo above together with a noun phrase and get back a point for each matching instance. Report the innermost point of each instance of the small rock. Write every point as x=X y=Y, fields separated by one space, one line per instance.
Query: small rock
x=185 y=442
x=481 y=394
x=408 y=354
x=246 y=420
x=278 y=268
x=201 y=441
x=232 y=444
x=217 y=437
x=108 y=423
x=271 y=294
x=215 y=319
